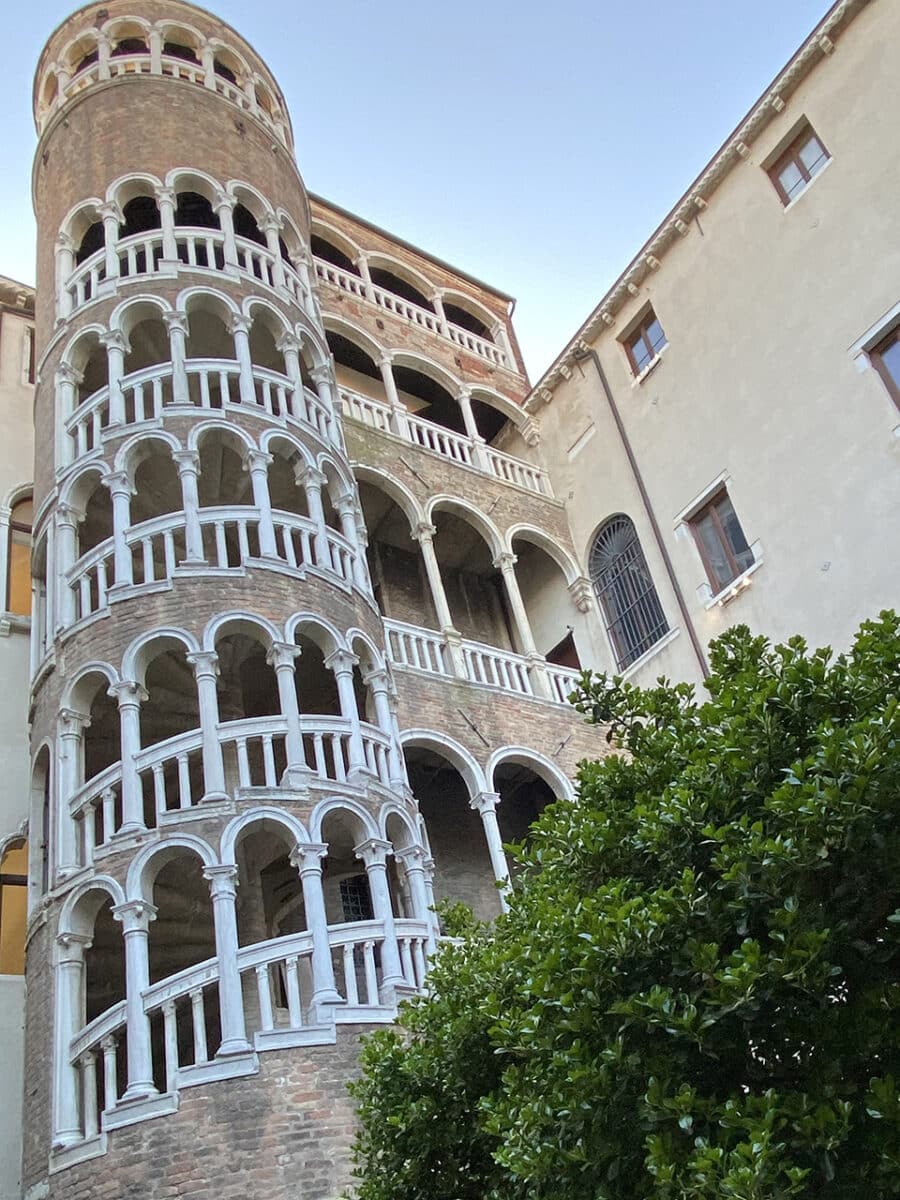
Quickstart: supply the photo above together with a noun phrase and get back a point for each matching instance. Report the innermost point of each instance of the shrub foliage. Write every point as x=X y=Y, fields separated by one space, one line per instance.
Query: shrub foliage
x=696 y=994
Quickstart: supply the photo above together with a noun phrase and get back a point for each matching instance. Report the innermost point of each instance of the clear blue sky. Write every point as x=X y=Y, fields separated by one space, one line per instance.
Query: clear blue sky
x=534 y=145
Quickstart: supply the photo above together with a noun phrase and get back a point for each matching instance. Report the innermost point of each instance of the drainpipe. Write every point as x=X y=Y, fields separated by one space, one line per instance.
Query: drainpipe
x=580 y=354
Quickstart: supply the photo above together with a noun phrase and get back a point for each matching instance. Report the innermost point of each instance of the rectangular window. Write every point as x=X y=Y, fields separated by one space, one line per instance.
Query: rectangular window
x=885 y=358
x=644 y=343
x=795 y=168
x=721 y=541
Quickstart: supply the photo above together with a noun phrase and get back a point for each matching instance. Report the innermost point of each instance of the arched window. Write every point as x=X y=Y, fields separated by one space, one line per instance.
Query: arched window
x=18 y=582
x=621 y=579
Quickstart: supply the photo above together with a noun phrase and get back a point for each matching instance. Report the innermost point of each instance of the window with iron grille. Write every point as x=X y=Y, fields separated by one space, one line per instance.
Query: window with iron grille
x=356 y=899
x=634 y=617
x=793 y=171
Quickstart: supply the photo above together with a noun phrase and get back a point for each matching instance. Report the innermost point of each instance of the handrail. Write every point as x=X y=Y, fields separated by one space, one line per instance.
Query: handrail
x=181 y=983
x=97 y=1029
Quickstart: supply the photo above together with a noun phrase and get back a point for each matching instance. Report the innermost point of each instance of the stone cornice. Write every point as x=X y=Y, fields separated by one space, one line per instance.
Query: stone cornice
x=819 y=45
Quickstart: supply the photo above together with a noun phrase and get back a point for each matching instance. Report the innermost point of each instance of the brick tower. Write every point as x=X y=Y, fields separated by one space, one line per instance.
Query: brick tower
x=260 y=749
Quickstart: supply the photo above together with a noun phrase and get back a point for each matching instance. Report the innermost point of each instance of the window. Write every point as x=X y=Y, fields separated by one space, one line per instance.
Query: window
x=644 y=343
x=18 y=583
x=356 y=900
x=621 y=579
x=793 y=170
x=13 y=910
x=885 y=358
x=721 y=541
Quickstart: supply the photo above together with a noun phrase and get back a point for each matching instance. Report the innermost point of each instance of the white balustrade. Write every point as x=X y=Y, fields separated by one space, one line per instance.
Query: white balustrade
x=437 y=440
x=497 y=668
x=213 y=384
x=563 y=681
x=93 y=1055
x=422 y=649
x=199 y=248
x=347 y=281
x=91 y=578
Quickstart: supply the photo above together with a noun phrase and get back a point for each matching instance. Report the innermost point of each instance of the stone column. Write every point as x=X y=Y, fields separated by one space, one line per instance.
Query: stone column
x=362 y=265
x=281 y=657
x=207 y=61
x=155 y=42
x=70 y=773
x=112 y=216
x=373 y=853
x=130 y=695
x=67 y=381
x=188 y=464
x=424 y=535
x=312 y=485
x=504 y=345
x=224 y=209
x=437 y=303
x=258 y=466
x=240 y=330
x=342 y=662
x=223 y=889
x=166 y=201
x=206 y=671
x=307 y=858
x=346 y=510
x=479 y=456
x=413 y=860
x=377 y=682
x=485 y=804
x=303 y=264
x=433 y=922
x=136 y=916
x=121 y=491
x=399 y=423
x=177 y=325
x=103 y=53
x=65 y=265
x=288 y=345
x=67 y=519
x=505 y=562
x=69 y=1020
x=116 y=348
x=271 y=228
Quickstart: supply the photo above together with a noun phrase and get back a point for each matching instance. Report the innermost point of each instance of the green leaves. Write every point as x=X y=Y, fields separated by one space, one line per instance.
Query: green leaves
x=696 y=993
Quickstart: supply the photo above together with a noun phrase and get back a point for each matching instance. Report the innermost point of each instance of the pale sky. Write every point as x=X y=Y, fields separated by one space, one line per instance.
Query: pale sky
x=535 y=146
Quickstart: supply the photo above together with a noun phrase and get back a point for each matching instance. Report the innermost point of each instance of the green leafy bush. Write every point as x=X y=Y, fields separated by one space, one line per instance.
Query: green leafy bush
x=696 y=993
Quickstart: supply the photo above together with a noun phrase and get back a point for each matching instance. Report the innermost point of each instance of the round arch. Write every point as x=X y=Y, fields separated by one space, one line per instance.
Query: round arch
x=136 y=183
x=398 y=492
x=470 y=514
x=262 y=819
x=536 y=537
x=80 y=217
x=284 y=437
x=329 y=233
x=340 y=804
x=455 y=754
x=199 y=433
x=392 y=809
x=310 y=625
x=251 y=198
x=240 y=621
x=137 y=656
x=72 y=697
x=381 y=261
x=540 y=764
x=355 y=334
x=253 y=305
x=131 y=453
x=191 y=296
x=126 y=315
x=470 y=305
x=76 y=917
x=147 y=864
x=414 y=361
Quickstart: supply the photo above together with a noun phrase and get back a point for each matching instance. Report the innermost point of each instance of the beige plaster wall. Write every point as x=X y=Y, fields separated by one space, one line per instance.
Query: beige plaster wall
x=761 y=306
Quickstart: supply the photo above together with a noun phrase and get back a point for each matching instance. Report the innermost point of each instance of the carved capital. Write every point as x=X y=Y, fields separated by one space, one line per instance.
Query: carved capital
x=135 y=915
x=282 y=655
x=373 y=852
x=485 y=802
x=204 y=662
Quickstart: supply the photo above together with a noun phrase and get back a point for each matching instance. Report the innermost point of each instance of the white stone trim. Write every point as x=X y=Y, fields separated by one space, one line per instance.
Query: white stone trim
x=821 y=171
x=653 y=650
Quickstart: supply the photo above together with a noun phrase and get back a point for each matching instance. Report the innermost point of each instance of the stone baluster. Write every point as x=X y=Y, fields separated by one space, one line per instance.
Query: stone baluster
x=270 y=227
x=485 y=804
x=500 y=337
x=373 y=853
x=379 y=685
x=282 y=657
x=223 y=889
x=67 y=380
x=188 y=464
x=206 y=672
x=399 y=423
x=136 y=916
x=288 y=345
x=345 y=506
x=130 y=695
x=413 y=861
x=307 y=858
x=362 y=265
x=479 y=456
x=437 y=303
x=121 y=490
